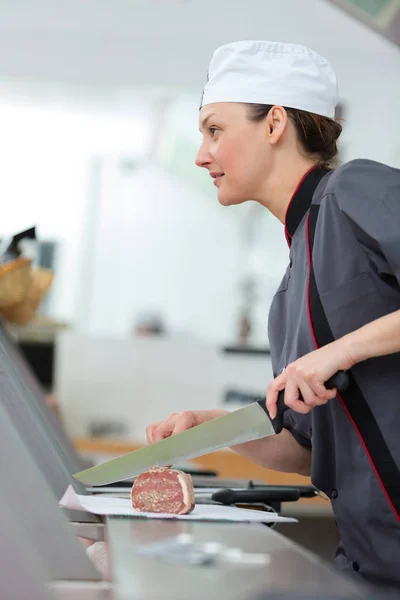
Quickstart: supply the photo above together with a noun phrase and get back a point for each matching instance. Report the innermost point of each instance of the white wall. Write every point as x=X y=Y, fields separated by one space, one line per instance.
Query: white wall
x=370 y=88
x=138 y=382
x=163 y=246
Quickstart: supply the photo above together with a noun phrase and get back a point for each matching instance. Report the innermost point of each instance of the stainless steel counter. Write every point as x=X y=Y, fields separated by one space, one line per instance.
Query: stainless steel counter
x=280 y=565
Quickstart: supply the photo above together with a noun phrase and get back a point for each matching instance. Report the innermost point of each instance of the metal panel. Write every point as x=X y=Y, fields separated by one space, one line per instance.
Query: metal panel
x=291 y=569
x=21 y=575
x=35 y=508
x=62 y=443
x=34 y=426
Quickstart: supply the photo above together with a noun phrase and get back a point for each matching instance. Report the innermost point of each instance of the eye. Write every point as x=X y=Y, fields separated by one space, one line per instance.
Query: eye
x=213 y=131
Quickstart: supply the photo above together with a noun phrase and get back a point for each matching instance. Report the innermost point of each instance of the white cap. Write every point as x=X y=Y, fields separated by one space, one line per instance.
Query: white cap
x=272 y=73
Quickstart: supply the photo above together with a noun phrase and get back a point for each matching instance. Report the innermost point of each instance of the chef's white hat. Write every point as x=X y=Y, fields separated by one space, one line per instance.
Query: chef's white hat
x=272 y=73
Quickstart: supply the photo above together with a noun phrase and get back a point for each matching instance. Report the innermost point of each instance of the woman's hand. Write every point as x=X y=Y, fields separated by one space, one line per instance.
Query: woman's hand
x=178 y=422
x=307 y=375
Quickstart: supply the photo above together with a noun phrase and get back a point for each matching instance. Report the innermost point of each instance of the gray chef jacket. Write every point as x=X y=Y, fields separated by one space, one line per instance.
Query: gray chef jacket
x=356 y=265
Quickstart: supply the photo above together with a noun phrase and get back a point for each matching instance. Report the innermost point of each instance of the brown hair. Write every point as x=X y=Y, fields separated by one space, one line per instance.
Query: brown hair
x=317 y=135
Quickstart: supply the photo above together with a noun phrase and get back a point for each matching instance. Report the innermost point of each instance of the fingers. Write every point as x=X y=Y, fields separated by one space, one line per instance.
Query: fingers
x=292 y=397
x=176 y=423
x=322 y=393
x=164 y=429
x=276 y=386
x=302 y=391
x=184 y=421
x=150 y=431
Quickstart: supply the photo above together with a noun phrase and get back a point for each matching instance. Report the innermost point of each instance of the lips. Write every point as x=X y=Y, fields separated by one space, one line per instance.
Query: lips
x=217 y=177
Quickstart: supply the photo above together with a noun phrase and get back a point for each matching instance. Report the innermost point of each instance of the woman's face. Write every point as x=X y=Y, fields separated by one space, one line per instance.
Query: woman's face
x=235 y=151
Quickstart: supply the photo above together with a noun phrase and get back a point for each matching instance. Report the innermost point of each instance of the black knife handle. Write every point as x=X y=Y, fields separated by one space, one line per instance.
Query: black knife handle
x=340 y=381
x=265 y=496
x=305 y=491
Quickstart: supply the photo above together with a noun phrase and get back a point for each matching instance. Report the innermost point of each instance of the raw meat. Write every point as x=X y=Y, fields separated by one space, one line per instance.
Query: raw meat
x=163 y=490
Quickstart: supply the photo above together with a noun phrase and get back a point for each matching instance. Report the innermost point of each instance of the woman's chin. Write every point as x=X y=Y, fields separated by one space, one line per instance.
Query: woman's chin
x=228 y=199
x=223 y=200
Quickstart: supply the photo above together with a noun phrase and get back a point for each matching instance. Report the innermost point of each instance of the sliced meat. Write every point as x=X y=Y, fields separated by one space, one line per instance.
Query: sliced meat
x=163 y=490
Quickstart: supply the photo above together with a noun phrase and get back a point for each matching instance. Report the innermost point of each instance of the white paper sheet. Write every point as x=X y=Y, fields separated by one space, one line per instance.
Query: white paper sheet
x=106 y=505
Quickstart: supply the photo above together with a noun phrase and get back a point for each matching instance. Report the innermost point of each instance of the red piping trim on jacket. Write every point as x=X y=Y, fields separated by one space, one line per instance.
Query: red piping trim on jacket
x=287 y=234
x=340 y=398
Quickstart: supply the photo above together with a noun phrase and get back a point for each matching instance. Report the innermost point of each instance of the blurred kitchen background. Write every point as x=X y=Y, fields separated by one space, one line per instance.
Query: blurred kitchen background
x=160 y=297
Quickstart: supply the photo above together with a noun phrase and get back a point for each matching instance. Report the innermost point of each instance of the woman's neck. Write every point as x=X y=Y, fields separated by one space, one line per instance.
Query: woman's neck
x=282 y=183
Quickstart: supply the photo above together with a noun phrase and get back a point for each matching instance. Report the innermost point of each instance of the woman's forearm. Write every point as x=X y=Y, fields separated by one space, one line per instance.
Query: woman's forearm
x=378 y=338
x=279 y=453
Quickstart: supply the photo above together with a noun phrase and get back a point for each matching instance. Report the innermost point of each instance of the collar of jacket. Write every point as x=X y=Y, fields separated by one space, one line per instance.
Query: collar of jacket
x=301 y=200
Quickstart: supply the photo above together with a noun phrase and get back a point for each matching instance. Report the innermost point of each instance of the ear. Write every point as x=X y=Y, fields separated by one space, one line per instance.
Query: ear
x=276 y=123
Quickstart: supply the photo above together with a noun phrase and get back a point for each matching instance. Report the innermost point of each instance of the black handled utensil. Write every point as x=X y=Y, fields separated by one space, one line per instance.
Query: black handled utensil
x=264 y=496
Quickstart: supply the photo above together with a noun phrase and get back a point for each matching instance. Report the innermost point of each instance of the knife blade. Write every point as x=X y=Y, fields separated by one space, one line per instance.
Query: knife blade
x=245 y=424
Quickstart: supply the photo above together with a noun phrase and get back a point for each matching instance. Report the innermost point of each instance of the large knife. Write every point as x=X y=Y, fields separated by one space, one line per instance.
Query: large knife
x=245 y=424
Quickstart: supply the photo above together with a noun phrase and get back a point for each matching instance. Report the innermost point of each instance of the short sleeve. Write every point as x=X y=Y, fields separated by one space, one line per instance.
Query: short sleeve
x=368 y=193
x=300 y=426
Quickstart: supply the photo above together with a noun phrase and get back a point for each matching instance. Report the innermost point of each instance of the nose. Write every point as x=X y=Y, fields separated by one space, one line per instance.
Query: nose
x=202 y=158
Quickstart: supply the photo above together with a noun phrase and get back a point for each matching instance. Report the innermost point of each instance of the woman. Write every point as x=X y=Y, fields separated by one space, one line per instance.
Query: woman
x=269 y=135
